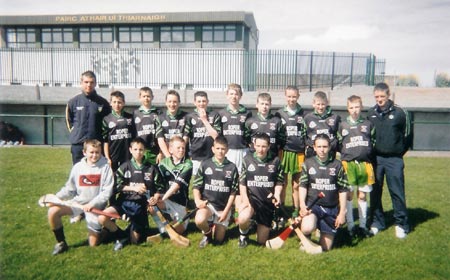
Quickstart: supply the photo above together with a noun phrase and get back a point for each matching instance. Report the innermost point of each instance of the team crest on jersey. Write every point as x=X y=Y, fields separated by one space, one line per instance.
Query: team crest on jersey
x=224 y=119
x=299 y=119
x=111 y=125
x=210 y=119
x=127 y=174
x=272 y=126
x=193 y=122
x=364 y=128
x=254 y=126
x=242 y=119
x=271 y=168
x=129 y=121
x=332 y=171
x=165 y=123
x=312 y=171
x=312 y=125
x=208 y=171
x=181 y=122
x=137 y=120
x=345 y=132
x=391 y=117
x=227 y=174
x=331 y=122
x=251 y=167
x=147 y=176
x=100 y=108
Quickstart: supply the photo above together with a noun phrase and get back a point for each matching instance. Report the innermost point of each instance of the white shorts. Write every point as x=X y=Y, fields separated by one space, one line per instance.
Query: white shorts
x=91 y=219
x=216 y=215
x=195 y=167
x=236 y=156
x=365 y=189
x=176 y=211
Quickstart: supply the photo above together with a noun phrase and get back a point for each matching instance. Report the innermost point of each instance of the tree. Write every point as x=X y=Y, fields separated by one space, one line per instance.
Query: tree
x=407 y=81
x=442 y=80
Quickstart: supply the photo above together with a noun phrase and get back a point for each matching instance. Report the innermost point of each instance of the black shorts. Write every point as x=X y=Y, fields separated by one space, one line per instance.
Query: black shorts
x=263 y=212
x=137 y=212
x=326 y=218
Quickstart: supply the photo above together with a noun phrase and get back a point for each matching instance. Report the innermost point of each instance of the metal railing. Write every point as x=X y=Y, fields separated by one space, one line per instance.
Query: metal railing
x=190 y=68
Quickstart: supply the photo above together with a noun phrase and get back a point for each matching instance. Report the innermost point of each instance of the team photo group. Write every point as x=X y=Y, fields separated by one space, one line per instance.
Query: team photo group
x=230 y=166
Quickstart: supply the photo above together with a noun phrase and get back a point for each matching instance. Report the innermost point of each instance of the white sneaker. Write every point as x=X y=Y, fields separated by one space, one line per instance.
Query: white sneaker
x=399 y=232
x=373 y=231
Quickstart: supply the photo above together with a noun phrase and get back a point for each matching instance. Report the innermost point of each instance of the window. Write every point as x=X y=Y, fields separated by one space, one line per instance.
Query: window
x=57 y=38
x=21 y=37
x=178 y=36
x=96 y=37
x=219 y=36
x=136 y=37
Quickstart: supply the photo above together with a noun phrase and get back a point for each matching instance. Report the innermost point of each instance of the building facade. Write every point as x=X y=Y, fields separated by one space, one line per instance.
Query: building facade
x=147 y=30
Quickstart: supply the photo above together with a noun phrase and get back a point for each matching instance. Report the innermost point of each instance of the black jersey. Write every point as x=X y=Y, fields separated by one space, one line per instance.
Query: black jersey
x=171 y=125
x=294 y=127
x=327 y=177
x=233 y=126
x=179 y=173
x=326 y=124
x=117 y=132
x=146 y=124
x=217 y=181
x=130 y=173
x=356 y=139
x=271 y=125
x=200 y=142
x=261 y=176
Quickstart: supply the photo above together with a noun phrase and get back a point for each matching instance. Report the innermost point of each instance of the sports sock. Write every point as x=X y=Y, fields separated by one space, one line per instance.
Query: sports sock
x=362 y=211
x=59 y=234
x=349 y=215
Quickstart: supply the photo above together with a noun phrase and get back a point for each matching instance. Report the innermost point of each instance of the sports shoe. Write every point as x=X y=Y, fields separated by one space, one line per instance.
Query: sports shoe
x=59 y=248
x=120 y=244
x=399 y=232
x=281 y=224
x=204 y=242
x=243 y=242
x=78 y=218
x=373 y=231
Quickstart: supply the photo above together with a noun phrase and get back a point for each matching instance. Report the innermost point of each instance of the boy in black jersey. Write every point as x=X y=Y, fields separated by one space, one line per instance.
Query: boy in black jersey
x=261 y=176
x=323 y=173
x=146 y=124
x=293 y=153
x=172 y=123
x=117 y=129
x=265 y=122
x=356 y=137
x=176 y=171
x=214 y=192
x=202 y=127
x=321 y=121
x=136 y=182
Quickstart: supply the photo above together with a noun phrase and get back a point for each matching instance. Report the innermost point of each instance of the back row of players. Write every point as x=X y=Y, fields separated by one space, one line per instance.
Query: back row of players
x=232 y=152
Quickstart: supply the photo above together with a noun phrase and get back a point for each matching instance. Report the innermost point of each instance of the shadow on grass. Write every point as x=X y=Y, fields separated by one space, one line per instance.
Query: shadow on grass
x=416 y=217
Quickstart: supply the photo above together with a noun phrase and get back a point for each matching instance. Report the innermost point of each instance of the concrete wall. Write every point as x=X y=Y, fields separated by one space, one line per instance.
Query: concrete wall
x=431 y=127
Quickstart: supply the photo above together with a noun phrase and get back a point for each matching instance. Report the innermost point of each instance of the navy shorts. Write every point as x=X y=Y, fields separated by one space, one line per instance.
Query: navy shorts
x=263 y=212
x=137 y=212
x=326 y=218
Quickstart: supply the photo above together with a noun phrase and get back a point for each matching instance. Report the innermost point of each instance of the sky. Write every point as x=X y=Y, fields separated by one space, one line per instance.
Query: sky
x=413 y=36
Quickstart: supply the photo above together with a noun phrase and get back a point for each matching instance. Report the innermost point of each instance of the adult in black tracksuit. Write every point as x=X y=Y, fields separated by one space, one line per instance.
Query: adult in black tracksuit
x=84 y=115
x=393 y=139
